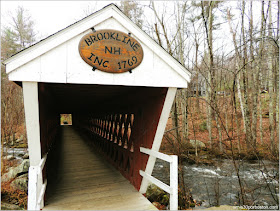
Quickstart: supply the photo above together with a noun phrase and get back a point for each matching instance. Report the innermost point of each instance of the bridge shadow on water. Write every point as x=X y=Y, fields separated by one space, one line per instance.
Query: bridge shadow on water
x=79 y=178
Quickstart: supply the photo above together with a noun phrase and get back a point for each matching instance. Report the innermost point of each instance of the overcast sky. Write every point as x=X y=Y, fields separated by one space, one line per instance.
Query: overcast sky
x=51 y=16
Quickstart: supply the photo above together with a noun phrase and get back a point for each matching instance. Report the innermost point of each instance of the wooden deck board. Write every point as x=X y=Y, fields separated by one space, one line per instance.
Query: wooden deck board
x=87 y=182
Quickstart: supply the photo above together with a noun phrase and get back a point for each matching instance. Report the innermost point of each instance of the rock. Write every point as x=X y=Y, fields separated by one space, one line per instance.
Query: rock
x=20 y=139
x=26 y=156
x=155 y=194
x=205 y=204
x=10 y=157
x=14 y=171
x=21 y=183
x=197 y=143
x=7 y=206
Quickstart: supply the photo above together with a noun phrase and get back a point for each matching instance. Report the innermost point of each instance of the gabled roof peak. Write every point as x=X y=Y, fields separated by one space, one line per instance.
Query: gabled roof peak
x=109 y=5
x=109 y=17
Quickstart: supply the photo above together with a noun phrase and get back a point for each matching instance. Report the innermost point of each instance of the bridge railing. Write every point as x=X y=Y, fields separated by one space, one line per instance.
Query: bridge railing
x=36 y=188
x=172 y=189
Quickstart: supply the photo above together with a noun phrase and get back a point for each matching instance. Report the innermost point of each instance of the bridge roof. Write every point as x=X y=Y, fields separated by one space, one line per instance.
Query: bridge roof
x=56 y=59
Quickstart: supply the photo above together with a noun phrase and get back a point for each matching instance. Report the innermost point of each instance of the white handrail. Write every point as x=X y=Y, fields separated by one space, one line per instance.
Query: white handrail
x=157 y=182
x=36 y=190
x=42 y=193
x=156 y=154
x=173 y=188
x=43 y=161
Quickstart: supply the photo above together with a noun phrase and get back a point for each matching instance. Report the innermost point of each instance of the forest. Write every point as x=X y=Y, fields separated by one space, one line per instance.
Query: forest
x=228 y=113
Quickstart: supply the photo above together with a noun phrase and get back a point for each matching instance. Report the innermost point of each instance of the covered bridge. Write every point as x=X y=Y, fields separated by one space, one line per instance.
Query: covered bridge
x=119 y=85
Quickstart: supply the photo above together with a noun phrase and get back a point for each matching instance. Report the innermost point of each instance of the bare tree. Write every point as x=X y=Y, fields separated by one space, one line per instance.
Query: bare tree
x=271 y=82
x=23 y=27
x=14 y=38
x=133 y=10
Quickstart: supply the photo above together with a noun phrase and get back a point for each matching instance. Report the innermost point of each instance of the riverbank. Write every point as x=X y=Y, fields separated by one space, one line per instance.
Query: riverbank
x=8 y=206
x=218 y=183
x=14 y=178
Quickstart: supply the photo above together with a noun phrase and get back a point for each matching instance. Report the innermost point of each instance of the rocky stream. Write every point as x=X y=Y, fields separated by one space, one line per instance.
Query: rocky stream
x=219 y=185
x=210 y=185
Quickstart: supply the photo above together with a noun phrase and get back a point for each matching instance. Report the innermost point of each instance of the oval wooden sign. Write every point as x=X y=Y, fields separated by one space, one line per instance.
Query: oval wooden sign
x=111 y=51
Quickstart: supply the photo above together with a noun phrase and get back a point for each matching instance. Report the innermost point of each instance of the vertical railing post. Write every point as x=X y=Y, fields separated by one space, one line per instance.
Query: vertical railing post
x=36 y=188
x=40 y=204
x=174 y=183
x=32 y=188
x=40 y=181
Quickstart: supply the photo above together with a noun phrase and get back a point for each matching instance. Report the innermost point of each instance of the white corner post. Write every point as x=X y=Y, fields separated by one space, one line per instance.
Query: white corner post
x=174 y=182
x=31 y=108
x=159 y=135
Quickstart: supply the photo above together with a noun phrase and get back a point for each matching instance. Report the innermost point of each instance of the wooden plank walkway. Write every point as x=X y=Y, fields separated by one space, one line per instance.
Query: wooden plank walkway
x=87 y=182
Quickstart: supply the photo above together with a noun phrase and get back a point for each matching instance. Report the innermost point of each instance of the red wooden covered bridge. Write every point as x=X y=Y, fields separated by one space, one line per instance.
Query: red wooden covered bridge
x=119 y=85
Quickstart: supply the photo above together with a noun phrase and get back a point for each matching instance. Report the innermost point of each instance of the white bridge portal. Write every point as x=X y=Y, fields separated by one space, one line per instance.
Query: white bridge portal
x=105 y=159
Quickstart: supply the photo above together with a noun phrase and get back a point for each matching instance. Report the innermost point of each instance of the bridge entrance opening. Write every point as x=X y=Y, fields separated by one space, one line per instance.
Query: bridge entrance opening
x=110 y=121
x=117 y=120
x=65 y=119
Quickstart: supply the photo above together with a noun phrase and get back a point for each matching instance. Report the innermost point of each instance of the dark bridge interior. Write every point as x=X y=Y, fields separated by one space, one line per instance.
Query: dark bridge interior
x=117 y=120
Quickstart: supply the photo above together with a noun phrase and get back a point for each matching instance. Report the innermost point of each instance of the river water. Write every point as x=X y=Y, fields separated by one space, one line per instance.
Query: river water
x=219 y=184
x=16 y=152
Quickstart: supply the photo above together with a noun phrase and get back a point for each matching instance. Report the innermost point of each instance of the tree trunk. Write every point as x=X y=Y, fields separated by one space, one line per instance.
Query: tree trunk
x=219 y=132
x=175 y=118
x=247 y=119
x=238 y=66
x=240 y=99
x=271 y=83
x=184 y=105
x=238 y=132
x=259 y=73
x=277 y=79
x=254 y=83
x=261 y=123
x=210 y=85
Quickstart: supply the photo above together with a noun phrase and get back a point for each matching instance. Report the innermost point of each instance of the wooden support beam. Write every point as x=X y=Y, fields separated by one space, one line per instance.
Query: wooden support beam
x=32 y=188
x=159 y=134
x=31 y=108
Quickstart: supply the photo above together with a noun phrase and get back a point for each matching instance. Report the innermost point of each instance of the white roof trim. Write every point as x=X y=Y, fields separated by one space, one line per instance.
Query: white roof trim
x=155 y=47
x=79 y=27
